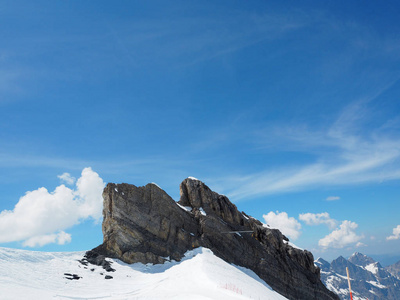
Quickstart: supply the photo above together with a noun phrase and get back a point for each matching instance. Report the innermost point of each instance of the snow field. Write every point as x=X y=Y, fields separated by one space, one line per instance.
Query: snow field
x=200 y=275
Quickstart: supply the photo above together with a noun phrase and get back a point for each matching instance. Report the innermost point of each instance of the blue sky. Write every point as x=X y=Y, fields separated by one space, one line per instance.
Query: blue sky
x=290 y=109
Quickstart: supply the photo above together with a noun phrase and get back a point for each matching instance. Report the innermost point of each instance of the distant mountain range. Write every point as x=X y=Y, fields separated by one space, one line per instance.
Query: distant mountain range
x=369 y=280
x=394 y=269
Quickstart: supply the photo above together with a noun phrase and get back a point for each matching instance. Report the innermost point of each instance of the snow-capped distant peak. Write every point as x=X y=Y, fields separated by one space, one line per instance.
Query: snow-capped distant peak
x=193 y=178
x=321 y=260
x=360 y=259
x=322 y=264
x=369 y=279
x=360 y=256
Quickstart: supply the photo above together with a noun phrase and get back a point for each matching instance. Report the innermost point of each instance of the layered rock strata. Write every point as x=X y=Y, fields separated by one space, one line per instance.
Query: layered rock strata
x=144 y=224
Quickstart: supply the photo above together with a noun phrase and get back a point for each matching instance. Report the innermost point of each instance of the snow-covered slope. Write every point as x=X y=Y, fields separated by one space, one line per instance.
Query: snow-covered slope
x=200 y=275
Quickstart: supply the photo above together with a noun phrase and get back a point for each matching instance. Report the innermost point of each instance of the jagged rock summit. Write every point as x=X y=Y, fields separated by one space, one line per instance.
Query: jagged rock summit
x=144 y=224
x=360 y=259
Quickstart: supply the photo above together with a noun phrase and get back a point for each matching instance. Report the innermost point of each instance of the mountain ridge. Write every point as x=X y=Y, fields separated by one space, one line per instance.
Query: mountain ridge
x=394 y=269
x=144 y=224
x=369 y=280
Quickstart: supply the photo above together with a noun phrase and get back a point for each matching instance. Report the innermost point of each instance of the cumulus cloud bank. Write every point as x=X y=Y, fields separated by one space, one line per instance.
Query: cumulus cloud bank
x=396 y=234
x=40 y=217
x=67 y=178
x=341 y=237
x=317 y=219
x=60 y=238
x=289 y=226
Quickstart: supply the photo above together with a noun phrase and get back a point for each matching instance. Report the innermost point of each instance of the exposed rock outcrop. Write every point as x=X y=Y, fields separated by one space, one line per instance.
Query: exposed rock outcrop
x=144 y=224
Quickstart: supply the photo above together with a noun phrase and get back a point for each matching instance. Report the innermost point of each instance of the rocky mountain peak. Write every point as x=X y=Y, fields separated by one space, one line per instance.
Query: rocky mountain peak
x=322 y=264
x=197 y=195
x=369 y=279
x=360 y=259
x=394 y=269
x=144 y=224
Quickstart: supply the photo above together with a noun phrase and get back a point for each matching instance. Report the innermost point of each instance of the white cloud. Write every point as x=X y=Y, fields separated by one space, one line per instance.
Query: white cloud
x=60 y=238
x=89 y=194
x=359 y=244
x=396 y=234
x=67 y=178
x=39 y=214
x=341 y=237
x=289 y=226
x=63 y=238
x=317 y=219
x=332 y=198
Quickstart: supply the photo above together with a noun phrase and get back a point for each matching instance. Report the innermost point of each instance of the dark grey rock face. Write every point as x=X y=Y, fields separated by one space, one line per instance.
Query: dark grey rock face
x=70 y=276
x=144 y=224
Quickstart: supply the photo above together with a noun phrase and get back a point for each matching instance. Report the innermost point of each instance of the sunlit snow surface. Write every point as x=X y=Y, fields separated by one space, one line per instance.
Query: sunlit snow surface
x=373 y=268
x=200 y=275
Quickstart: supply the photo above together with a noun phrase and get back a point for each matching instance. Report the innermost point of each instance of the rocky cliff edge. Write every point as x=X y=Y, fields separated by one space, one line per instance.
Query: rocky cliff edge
x=144 y=224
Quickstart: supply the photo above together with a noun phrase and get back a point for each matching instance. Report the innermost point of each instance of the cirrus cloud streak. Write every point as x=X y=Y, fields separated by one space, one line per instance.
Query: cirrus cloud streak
x=343 y=154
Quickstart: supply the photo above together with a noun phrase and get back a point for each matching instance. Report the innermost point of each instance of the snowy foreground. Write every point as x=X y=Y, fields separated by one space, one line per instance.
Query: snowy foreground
x=200 y=275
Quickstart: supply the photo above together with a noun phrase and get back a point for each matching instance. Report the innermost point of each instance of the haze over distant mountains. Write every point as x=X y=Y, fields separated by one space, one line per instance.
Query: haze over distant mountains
x=369 y=280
